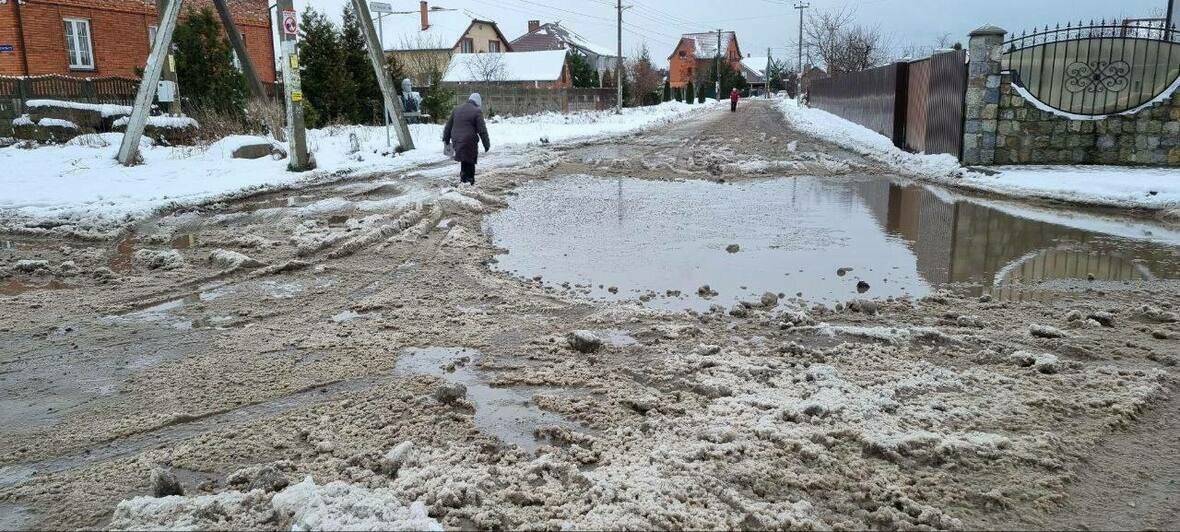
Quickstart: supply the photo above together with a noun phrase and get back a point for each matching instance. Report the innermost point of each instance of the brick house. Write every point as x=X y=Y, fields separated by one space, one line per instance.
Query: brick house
x=694 y=55
x=94 y=38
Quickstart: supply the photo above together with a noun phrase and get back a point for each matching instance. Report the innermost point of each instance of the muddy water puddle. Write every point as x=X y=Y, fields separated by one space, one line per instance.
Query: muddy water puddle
x=825 y=239
x=506 y=413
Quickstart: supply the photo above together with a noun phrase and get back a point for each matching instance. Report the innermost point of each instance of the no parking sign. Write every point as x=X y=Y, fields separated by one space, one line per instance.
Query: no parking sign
x=290 y=23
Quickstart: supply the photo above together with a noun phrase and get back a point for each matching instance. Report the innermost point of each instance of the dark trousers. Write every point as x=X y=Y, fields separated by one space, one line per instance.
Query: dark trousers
x=467 y=173
x=732 y=106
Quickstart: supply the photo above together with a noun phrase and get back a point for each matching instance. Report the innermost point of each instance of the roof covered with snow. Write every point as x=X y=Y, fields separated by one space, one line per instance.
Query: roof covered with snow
x=514 y=66
x=756 y=66
x=705 y=44
x=554 y=36
x=404 y=31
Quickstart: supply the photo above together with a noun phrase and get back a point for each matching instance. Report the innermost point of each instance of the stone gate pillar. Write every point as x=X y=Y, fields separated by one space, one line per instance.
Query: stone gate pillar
x=983 y=95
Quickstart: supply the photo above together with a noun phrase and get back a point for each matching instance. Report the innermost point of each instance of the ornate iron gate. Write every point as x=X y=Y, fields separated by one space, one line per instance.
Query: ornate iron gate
x=1096 y=69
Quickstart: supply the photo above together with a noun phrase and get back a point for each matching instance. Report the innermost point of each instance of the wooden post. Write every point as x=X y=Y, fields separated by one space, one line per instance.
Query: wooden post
x=377 y=57
x=252 y=79
x=298 y=159
x=170 y=65
x=129 y=149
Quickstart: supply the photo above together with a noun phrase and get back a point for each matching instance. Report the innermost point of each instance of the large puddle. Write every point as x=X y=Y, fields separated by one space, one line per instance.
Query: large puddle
x=822 y=238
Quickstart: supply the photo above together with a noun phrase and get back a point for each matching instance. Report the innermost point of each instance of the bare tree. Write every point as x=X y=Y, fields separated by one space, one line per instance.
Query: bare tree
x=423 y=58
x=645 y=78
x=843 y=45
x=487 y=68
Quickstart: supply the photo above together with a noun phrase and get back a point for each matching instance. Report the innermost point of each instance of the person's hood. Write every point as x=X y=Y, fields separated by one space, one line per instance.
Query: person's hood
x=476 y=99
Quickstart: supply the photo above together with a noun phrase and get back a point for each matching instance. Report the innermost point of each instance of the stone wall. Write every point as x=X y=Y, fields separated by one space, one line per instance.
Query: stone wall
x=1002 y=127
x=1025 y=134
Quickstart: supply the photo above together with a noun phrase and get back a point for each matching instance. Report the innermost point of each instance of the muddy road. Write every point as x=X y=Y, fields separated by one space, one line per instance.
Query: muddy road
x=315 y=331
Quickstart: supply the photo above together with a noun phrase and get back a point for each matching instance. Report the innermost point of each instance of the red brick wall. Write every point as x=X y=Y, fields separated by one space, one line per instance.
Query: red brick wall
x=681 y=70
x=119 y=34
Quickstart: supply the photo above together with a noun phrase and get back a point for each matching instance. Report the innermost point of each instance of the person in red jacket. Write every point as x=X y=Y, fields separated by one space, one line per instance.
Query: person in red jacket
x=733 y=98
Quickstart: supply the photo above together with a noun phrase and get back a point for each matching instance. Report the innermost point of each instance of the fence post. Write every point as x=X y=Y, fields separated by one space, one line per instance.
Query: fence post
x=901 y=100
x=982 y=102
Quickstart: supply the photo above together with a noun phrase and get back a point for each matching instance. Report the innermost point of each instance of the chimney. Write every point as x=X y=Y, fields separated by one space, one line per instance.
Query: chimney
x=534 y=25
x=424 y=10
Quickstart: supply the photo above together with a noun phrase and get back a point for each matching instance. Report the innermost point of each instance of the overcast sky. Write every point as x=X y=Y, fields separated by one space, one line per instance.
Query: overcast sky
x=773 y=23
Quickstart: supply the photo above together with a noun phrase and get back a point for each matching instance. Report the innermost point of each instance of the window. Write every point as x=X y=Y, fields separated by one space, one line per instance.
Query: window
x=78 y=49
x=467 y=46
x=682 y=54
x=152 y=36
x=494 y=47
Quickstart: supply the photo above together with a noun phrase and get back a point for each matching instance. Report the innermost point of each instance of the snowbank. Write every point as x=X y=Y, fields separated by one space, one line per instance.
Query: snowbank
x=81 y=183
x=1111 y=186
x=107 y=110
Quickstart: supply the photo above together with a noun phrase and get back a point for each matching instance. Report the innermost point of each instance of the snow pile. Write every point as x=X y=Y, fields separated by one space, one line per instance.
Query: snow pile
x=167 y=122
x=80 y=183
x=57 y=122
x=1115 y=186
x=342 y=506
x=105 y=109
x=867 y=142
x=303 y=506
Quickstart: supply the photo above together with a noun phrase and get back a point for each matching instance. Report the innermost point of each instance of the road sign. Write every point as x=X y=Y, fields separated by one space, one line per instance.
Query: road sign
x=5 y=47
x=290 y=23
x=383 y=8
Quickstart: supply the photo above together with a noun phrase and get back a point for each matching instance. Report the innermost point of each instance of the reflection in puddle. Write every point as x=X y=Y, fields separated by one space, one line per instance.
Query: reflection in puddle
x=814 y=236
x=506 y=413
x=167 y=312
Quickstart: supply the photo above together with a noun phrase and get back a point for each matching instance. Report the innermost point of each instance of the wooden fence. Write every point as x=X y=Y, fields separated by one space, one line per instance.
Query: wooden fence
x=16 y=91
x=515 y=100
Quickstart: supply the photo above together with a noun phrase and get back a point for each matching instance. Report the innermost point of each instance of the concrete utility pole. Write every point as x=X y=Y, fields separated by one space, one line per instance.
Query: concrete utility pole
x=619 y=63
x=377 y=57
x=717 y=66
x=298 y=159
x=170 y=66
x=129 y=149
x=252 y=79
x=766 y=75
x=801 y=6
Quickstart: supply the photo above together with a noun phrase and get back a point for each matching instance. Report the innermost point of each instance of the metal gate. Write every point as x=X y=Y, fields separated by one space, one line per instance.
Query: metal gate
x=934 y=103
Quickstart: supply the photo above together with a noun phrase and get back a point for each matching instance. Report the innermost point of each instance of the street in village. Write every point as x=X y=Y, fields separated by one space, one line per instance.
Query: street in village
x=715 y=320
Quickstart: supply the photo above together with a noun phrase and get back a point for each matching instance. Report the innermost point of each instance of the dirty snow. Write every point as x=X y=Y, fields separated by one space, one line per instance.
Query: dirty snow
x=304 y=506
x=1115 y=186
x=81 y=182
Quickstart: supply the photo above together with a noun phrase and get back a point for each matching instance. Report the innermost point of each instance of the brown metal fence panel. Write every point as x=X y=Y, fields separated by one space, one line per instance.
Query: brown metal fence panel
x=916 y=105
x=869 y=98
x=944 y=103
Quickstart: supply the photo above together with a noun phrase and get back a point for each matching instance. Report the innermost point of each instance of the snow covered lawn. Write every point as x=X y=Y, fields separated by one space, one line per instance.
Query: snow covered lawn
x=81 y=183
x=1112 y=186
